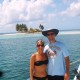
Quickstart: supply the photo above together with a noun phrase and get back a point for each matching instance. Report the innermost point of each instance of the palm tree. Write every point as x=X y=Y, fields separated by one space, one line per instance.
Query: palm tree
x=41 y=26
x=21 y=27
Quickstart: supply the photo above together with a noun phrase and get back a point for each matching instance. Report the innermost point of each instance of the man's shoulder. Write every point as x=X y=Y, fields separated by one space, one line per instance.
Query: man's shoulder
x=59 y=43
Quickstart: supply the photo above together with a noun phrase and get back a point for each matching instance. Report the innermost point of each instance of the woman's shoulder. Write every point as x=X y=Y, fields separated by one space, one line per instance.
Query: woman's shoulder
x=32 y=58
x=33 y=55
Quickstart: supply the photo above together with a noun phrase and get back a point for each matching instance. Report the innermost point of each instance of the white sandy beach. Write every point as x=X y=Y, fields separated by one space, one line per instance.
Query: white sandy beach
x=60 y=33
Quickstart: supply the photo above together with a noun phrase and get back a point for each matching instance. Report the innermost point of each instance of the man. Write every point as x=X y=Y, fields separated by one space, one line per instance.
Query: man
x=58 y=56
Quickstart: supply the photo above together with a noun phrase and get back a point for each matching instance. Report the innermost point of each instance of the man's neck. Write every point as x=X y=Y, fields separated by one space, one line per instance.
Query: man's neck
x=52 y=41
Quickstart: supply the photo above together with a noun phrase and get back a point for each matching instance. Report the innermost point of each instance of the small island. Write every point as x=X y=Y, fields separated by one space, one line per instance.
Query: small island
x=22 y=28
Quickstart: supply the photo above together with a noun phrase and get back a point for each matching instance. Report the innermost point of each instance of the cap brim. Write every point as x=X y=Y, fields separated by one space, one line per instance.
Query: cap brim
x=56 y=31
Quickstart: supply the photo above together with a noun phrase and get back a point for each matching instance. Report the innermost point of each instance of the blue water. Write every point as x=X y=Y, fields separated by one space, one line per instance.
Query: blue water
x=15 y=52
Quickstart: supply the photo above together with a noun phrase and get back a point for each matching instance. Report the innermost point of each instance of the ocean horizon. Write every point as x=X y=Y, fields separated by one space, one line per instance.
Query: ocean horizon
x=16 y=50
x=60 y=31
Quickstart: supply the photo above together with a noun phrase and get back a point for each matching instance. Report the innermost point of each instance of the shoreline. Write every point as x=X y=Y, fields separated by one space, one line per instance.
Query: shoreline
x=60 y=33
x=19 y=33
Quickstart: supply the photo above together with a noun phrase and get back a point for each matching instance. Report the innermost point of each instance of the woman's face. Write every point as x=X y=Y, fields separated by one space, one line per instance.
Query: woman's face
x=40 y=45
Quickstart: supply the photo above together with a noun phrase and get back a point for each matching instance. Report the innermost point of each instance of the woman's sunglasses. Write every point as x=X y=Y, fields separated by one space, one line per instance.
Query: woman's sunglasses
x=40 y=45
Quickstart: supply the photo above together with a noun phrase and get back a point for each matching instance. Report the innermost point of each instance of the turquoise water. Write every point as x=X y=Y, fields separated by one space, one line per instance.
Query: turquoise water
x=15 y=52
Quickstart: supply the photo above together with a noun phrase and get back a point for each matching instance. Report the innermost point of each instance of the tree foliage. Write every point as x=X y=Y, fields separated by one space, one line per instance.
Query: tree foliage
x=41 y=26
x=34 y=30
x=24 y=28
x=21 y=28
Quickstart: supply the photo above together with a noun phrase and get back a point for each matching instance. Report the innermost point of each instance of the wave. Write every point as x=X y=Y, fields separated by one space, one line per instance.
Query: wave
x=69 y=32
x=28 y=79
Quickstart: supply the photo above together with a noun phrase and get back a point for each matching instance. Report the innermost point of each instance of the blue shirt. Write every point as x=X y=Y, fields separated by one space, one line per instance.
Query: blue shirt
x=56 y=55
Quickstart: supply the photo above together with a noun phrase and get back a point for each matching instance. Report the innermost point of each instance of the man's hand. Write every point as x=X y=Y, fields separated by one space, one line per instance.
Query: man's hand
x=66 y=76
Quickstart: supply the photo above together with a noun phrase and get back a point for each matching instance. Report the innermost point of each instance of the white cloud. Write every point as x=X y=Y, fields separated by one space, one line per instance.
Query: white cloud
x=22 y=10
x=73 y=10
x=33 y=12
x=13 y=11
x=65 y=1
x=51 y=16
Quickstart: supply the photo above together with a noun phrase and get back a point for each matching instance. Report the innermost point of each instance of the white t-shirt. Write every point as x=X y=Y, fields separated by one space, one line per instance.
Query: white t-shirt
x=56 y=53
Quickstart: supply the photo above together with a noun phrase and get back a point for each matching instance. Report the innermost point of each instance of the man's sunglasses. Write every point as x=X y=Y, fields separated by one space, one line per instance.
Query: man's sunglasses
x=40 y=45
x=50 y=34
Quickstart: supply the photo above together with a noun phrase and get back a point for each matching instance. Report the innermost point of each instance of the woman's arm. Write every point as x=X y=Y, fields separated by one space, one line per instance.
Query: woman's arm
x=31 y=67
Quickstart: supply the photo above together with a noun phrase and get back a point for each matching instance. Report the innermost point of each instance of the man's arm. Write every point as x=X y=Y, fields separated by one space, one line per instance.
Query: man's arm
x=67 y=63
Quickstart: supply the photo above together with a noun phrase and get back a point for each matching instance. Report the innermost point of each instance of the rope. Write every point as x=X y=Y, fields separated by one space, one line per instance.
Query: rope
x=75 y=70
x=75 y=62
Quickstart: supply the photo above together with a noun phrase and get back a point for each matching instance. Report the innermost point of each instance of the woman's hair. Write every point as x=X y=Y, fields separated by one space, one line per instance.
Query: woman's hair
x=40 y=40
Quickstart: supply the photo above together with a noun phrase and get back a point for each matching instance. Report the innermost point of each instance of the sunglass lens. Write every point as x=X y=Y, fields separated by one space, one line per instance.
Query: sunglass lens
x=40 y=45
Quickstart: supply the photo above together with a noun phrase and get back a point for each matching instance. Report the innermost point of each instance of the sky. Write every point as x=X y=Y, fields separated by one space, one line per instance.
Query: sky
x=59 y=14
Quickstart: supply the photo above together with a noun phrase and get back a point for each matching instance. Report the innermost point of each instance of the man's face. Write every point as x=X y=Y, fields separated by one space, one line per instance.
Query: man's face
x=51 y=35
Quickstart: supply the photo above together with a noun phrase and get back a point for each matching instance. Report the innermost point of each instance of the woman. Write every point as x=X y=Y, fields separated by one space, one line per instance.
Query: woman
x=38 y=63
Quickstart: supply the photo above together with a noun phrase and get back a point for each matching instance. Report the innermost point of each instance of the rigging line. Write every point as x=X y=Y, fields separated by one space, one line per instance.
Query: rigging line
x=75 y=62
